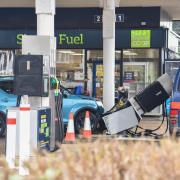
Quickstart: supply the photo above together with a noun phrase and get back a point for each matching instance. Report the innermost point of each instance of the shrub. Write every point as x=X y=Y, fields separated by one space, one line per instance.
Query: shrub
x=107 y=160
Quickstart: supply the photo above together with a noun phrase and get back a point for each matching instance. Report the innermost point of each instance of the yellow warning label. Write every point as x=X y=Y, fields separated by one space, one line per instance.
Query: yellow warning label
x=43 y=116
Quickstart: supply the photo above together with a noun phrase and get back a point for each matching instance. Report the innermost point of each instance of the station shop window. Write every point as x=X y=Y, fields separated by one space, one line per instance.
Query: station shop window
x=6 y=62
x=70 y=67
x=140 y=68
x=172 y=55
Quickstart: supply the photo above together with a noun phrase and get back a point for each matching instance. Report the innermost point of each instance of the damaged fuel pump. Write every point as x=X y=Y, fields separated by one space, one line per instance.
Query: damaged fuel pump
x=127 y=115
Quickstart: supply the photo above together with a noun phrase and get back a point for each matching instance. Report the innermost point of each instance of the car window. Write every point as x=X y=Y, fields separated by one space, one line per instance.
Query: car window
x=178 y=86
x=7 y=86
x=65 y=90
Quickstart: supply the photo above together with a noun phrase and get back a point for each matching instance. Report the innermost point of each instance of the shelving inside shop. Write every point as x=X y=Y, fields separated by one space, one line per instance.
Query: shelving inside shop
x=70 y=67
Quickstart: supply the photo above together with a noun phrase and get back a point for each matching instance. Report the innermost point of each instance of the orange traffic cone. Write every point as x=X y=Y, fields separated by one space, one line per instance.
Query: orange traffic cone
x=87 y=127
x=70 y=135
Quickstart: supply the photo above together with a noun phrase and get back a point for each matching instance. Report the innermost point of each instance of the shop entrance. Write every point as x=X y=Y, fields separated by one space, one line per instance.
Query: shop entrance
x=135 y=77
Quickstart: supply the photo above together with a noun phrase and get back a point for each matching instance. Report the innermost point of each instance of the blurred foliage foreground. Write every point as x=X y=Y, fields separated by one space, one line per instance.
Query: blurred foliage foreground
x=105 y=160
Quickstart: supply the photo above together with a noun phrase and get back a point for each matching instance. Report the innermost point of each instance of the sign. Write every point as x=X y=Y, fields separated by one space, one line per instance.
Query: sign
x=128 y=76
x=68 y=39
x=81 y=39
x=80 y=18
x=140 y=38
x=119 y=17
x=63 y=39
x=99 y=18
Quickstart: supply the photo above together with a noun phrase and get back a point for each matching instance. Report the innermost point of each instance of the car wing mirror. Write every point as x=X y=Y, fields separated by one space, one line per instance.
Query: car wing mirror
x=65 y=95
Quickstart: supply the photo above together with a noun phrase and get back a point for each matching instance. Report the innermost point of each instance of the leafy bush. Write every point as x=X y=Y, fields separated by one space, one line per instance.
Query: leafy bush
x=107 y=160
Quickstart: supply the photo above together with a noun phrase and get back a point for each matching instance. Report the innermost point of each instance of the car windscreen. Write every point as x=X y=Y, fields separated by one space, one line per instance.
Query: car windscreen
x=7 y=86
x=65 y=90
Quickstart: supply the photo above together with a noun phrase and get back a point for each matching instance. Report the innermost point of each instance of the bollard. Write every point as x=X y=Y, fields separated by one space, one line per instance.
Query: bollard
x=24 y=135
x=11 y=138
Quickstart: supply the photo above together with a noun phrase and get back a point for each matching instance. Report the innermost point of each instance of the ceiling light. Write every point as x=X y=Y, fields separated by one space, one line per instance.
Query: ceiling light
x=77 y=54
x=65 y=51
x=126 y=51
x=130 y=54
x=117 y=51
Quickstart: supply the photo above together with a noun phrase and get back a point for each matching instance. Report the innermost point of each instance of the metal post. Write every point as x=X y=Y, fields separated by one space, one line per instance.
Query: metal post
x=109 y=53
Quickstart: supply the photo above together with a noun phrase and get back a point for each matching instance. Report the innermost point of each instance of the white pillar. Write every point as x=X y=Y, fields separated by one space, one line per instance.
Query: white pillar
x=45 y=24
x=109 y=53
x=45 y=10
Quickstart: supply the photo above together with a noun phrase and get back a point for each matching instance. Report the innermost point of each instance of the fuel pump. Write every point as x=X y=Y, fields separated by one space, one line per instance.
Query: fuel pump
x=59 y=125
x=128 y=114
x=32 y=78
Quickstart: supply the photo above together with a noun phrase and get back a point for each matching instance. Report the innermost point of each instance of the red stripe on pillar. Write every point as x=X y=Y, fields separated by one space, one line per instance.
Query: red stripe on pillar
x=24 y=108
x=11 y=121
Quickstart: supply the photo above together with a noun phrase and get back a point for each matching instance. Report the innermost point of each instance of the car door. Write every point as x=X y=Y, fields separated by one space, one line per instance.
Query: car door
x=67 y=105
x=7 y=100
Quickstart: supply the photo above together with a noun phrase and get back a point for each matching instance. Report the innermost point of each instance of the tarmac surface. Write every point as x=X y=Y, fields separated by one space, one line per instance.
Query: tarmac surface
x=147 y=122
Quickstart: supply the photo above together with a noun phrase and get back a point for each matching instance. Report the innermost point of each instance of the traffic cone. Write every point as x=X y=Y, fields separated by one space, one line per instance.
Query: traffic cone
x=87 y=126
x=70 y=135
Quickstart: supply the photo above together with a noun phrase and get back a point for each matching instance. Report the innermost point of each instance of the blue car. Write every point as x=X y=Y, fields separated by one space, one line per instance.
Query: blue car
x=174 y=114
x=76 y=104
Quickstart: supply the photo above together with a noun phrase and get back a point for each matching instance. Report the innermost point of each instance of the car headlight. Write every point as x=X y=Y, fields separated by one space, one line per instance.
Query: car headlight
x=99 y=103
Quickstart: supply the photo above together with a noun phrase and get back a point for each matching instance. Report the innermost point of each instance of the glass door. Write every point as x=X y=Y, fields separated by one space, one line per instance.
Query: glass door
x=140 y=68
x=95 y=72
x=97 y=86
x=135 y=77
x=98 y=80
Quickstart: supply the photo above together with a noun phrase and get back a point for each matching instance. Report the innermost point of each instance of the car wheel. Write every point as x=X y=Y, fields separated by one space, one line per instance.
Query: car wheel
x=2 y=125
x=79 y=122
